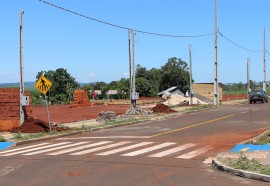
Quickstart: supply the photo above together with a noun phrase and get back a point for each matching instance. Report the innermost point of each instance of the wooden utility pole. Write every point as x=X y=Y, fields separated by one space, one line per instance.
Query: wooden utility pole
x=216 y=93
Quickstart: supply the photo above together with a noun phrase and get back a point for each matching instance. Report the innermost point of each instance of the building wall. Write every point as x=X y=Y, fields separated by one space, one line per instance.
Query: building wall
x=10 y=108
x=207 y=90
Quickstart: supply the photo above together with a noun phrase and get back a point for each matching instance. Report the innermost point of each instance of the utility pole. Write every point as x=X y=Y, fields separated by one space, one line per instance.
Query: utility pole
x=22 y=107
x=130 y=71
x=216 y=93
x=190 y=76
x=264 y=62
x=133 y=95
x=248 y=78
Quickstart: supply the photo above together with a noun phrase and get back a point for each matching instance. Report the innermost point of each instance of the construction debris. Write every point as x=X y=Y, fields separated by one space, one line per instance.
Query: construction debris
x=138 y=111
x=109 y=115
x=178 y=100
x=161 y=108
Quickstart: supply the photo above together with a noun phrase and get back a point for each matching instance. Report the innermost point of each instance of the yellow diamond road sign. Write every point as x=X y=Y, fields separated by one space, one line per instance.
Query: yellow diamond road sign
x=43 y=85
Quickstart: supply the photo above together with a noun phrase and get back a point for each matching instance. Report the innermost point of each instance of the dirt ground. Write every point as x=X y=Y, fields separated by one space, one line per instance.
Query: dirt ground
x=64 y=114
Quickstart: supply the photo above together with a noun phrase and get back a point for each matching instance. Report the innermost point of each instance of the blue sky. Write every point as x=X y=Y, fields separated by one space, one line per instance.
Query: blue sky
x=92 y=51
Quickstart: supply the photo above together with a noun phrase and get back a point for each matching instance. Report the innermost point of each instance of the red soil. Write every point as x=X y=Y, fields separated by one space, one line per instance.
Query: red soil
x=65 y=114
x=161 y=108
x=32 y=125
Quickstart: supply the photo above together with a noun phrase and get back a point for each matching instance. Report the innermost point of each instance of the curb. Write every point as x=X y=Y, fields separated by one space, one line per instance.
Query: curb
x=241 y=173
x=46 y=138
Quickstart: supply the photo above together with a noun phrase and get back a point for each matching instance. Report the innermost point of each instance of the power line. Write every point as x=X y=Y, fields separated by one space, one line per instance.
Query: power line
x=268 y=52
x=122 y=27
x=238 y=44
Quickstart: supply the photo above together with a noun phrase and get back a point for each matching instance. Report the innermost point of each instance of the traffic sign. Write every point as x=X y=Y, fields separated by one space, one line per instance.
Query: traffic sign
x=43 y=84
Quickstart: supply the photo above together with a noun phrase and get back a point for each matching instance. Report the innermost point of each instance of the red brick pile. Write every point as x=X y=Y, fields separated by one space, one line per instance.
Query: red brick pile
x=161 y=108
x=80 y=99
x=9 y=108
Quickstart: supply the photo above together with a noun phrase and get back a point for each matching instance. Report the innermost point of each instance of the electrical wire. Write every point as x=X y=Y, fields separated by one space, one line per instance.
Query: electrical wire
x=122 y=27
x=238 y=44
x=268 y=52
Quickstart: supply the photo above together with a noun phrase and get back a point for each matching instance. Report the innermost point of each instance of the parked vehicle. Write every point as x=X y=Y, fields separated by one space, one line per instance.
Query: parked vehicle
x=258 y=95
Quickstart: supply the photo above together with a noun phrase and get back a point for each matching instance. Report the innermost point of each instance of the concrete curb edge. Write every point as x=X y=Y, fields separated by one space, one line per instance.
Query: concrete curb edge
x=238 y=172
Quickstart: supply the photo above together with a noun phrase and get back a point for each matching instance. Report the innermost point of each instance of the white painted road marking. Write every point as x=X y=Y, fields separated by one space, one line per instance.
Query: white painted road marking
x=172 y=151
x=34 y=149
x=107 y=137
x=101 y=148
x=149 y=149
x=86 y=147
x=124 y=148
x=79 y=148
x=194 y=153
x=22 y=148
x=55 y=148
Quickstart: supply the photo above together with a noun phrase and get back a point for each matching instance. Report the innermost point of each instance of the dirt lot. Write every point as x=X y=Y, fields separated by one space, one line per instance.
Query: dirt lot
x=65 y=114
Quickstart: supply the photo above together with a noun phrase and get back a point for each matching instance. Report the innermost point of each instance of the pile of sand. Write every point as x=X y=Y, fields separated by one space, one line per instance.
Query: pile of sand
x=177 y=99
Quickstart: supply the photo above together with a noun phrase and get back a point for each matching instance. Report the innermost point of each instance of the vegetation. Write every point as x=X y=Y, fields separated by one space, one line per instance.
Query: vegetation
x=148 y=83
x=63 y=85
x=2 y=139
x=244 y=163
x=199 y=107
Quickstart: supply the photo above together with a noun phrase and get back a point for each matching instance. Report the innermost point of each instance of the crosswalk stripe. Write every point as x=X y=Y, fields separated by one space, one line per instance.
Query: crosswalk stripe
x=34 y=149
x=101 y=148
x=172 y=151
x=79 y=148
x=123 y=149
x=194 y=153
x=149 y=149
x=55 y=148
x=22 y=148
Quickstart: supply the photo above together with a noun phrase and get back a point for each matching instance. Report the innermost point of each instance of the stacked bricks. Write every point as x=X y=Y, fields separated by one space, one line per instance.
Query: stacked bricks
x=9 y=108
x=80 y=99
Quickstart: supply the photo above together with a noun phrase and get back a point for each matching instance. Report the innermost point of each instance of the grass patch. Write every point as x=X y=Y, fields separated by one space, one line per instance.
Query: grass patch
x=120 y=121
x=244 y=163
x=20 y=136
x=2 y=139
x=199 y=107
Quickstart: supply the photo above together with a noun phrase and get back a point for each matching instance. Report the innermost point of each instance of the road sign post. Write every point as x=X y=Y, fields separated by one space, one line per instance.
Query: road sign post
x=44 y=85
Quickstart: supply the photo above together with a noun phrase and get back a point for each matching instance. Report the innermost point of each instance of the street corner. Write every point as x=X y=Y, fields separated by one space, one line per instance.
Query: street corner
x=5 y=145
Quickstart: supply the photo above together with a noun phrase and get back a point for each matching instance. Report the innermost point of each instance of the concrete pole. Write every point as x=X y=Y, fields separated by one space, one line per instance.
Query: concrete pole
x=130 y=71
x=248 y=78
x=264 y=62
x=216 y=93
x=190 y=76
x=21 y=70
x=133 y=69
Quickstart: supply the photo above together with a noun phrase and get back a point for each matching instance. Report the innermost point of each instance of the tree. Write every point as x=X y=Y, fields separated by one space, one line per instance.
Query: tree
x=63 y=84
x=143 y=87
x=175 y=73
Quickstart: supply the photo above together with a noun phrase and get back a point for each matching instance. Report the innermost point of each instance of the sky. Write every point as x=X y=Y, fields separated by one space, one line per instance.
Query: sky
x=92 y=51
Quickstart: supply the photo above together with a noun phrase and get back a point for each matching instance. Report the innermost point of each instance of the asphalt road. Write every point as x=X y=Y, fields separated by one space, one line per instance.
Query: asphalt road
x=175 y=151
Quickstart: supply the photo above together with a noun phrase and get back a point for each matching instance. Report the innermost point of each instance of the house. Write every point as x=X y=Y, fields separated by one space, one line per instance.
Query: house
x=172 y=90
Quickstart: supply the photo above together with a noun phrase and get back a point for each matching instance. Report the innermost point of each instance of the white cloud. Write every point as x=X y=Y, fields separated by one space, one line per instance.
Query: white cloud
x=126 y=74
x=9 y=77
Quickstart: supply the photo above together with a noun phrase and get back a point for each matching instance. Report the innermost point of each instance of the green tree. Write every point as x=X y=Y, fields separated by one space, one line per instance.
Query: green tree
x=143 y=86
x=63 y=84
x=175 y=73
